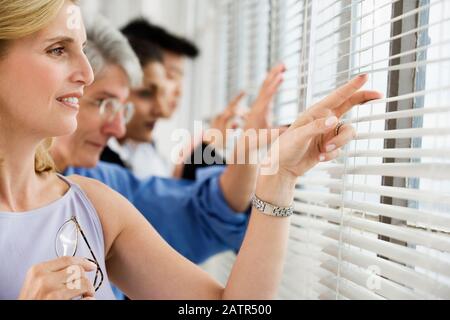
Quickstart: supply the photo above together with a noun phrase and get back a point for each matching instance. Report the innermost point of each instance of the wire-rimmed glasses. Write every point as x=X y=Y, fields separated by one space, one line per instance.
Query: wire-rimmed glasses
x=66 y=244
x=109 y=108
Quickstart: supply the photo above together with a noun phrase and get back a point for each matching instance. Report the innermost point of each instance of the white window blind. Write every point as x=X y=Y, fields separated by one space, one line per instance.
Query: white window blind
x=256 y=28
x=289 y=43
x=246 y=27
x=375 y=223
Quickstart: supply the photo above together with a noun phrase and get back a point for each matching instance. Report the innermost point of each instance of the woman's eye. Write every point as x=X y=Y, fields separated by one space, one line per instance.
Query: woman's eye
x=57 y=51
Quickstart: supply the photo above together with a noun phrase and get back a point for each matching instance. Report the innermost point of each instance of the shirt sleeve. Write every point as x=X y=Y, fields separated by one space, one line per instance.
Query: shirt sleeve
x=192 y=216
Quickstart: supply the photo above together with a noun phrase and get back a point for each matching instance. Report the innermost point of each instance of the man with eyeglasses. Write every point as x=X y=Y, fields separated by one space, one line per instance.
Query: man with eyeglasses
x=152 y=101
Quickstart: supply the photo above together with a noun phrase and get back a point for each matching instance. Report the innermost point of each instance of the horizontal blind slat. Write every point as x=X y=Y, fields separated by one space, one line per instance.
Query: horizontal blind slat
x=389 y=269
x=437 y=171
x=403 y=233
x=401 y=254
x=372 y=282
x=387 y=191
x=431 y=219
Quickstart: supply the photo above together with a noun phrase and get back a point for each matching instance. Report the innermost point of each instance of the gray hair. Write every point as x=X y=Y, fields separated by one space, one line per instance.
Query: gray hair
x=106 y=45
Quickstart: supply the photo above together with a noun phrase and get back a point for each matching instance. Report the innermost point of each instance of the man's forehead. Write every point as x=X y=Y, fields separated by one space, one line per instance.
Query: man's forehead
x=173 y=58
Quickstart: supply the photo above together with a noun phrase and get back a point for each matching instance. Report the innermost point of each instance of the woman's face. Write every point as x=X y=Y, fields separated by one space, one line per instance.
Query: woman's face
x=152 y=102
x=84 y=147
x=43 y=76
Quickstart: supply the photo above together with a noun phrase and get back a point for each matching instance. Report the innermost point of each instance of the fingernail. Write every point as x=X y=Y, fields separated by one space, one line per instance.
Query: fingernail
x=322 y=158
x=92 y=264
x=331 y=121
x=330 y=147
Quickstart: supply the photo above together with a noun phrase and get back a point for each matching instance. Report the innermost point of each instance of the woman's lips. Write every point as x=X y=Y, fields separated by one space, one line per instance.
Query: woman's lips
x=96 y=145
x=72 y=103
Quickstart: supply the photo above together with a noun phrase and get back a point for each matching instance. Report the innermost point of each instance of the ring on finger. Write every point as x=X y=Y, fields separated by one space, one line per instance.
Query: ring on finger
x=338 y=127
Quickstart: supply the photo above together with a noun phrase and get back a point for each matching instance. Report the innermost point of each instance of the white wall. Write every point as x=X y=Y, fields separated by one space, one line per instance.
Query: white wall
x=164 y=12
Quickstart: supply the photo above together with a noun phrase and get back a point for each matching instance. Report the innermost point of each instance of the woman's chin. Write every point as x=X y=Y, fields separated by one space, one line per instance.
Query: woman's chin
x=65 y=128
x=90 y=160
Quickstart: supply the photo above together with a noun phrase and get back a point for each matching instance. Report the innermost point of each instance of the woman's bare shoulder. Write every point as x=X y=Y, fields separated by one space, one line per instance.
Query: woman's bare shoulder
x=111 y=206
x=91 y=186
x=99 y=193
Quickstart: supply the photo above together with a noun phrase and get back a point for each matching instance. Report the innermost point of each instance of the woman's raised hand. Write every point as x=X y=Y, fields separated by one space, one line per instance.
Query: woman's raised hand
x=312 y=137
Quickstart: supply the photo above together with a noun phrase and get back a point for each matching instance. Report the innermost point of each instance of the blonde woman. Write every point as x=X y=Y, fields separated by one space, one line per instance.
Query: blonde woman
x=69 y=238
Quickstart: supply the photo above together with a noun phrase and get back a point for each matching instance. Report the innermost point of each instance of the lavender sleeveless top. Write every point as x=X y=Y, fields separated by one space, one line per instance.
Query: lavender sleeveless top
x=29 y=238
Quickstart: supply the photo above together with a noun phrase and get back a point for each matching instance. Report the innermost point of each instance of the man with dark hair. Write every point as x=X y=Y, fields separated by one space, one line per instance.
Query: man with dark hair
x=137 y=149
x=150 y=103
x=175 y=49
x=142 y=28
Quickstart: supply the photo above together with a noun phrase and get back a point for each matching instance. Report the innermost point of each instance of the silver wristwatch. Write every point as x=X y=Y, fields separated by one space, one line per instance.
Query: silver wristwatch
x=270 y=209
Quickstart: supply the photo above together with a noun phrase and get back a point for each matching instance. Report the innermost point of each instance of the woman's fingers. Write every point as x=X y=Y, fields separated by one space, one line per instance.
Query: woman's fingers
x=324 y=157
x=65 y=262
x=307 y=117
x=65 y=284
x=357 y=99
x=346 y=134
x=62 y=278
x=342 y=94
x=332 y=148
x=317 y=127
x=75 y=282
x=339 y=102
x=274 y=133
x=80 y=288
x=282 y=130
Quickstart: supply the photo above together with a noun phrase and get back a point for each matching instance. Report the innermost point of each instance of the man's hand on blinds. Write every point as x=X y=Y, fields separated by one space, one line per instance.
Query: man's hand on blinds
x=260 y=114
x=226 y=120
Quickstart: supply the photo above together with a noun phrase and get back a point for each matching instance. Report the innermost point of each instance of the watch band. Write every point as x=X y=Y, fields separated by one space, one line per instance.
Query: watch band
x=270 y=209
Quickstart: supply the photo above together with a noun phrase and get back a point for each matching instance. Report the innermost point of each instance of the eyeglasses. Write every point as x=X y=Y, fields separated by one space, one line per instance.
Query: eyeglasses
x=109 y=108
x=66 y=244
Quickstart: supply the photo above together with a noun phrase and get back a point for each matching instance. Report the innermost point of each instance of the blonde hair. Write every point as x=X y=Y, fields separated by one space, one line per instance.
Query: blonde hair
x=21 y=18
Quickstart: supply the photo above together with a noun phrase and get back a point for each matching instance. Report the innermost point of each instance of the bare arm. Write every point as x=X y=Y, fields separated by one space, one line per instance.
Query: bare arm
x=239 y=179
x=145 y=267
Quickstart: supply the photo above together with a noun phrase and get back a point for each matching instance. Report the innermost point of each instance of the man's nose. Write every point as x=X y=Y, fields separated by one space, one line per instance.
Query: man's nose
x=116 y=127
